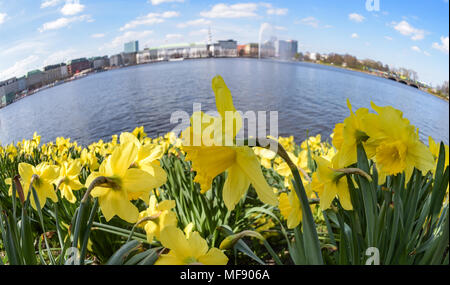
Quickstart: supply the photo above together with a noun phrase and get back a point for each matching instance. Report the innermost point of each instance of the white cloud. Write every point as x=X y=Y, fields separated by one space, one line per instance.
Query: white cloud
x=63 y=22
x=72 y=7
x=406 y=29
x=427 y=53
x=443 y=46
x=149 y=19
x=61 y=56
x=356 y=17
x=240 y=10
x=49 y=3
x=277 y=11
x=96 y=36
x=173 y=36
x=201 y=32
x=280 y=28
x=388 y=38
x=20 y=67
x=126 y=37
x=310 y=21
x=416 y=49
x=198 y=22
x=3 y=17
x=157 y=2
x=354 y=36
x=21 y=47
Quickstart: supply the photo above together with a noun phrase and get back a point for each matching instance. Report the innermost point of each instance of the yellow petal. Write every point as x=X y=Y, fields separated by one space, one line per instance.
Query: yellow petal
x=344 y=194
x=26 y=171
x=173 y=238
x=115 y=202
x=122 y=158
x=235 y=186
x=225 y=107
x=136 y=180
x=328 y=195
x=166 y=205
x=169 y=259
x=159 y=176
x=249 y=164
x=214 y=257
x=197 y=244
x=209 y=162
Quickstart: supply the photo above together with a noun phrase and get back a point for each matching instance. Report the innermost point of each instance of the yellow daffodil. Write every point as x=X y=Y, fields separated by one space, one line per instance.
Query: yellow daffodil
x=139 y=133
x=185 y=251
x=240 y=162
x=287 y=143
x=314 y=143
x=396 y=142
x=89 y=159
x=68 y=180
x=330 y=184
x=113 y=199
x=163 y=217
x=266 y=156
x=347 y=136
x=147 y=160
x=43 y=183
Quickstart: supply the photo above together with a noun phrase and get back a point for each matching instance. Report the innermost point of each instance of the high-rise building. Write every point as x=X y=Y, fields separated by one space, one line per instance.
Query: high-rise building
x=286 y=49
x=132 y=46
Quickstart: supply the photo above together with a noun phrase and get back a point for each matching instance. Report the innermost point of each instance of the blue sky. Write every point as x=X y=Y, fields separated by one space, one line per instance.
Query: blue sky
x=403 y=33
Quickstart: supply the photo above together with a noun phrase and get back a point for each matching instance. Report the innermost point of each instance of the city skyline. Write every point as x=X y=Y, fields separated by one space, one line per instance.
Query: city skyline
x=402 y=34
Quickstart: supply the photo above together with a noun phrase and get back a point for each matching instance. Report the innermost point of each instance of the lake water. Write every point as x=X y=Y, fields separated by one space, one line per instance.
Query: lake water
x=308 y=97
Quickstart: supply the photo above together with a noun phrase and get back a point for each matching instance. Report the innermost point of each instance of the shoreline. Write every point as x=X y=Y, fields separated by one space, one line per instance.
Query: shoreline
x=80 y=76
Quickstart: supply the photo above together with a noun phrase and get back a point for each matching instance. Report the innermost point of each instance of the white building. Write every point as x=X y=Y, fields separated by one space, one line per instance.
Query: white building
x=146 y=56
x=183 y=50
x=226 y=48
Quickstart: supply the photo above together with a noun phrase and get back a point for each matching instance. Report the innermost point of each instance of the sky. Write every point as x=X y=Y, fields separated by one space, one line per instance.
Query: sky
x=401 y=33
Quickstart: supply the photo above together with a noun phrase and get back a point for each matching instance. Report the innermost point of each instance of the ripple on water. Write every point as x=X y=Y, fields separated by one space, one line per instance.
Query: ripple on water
x=308 y=97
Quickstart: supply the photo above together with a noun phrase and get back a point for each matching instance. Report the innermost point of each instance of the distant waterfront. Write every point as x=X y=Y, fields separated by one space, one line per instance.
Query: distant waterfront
x=309 y=97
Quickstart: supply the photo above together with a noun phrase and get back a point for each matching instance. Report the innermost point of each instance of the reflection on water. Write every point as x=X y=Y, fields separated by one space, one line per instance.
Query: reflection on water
x=307 y=97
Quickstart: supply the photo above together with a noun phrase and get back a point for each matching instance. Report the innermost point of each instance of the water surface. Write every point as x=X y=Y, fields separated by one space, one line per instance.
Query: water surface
x=308 y=97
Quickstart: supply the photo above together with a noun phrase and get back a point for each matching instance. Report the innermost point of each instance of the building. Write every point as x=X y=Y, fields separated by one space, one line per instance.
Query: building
x=115 y=60
x=128 y=58
x=183 y=50
x=22 y=83
x=226 y=48
x=77 y=65
x=130 y=47
x=35 y=79
x=241 y=50
x=146 y=56
x=99 y=62
x=56 y=72
x=286 y=49
x=10 y=86
x=248 y=50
